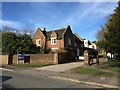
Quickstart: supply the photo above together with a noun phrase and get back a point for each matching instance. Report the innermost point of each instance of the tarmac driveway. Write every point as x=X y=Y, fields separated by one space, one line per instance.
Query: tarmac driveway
x=62 y=67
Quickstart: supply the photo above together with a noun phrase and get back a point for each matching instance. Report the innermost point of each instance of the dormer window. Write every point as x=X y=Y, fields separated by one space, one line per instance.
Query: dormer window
x=38 y=42
x=53 y=41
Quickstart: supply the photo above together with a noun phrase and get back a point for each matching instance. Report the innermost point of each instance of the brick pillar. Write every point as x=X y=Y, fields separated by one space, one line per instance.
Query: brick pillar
x=56 y=58
x=86 y=57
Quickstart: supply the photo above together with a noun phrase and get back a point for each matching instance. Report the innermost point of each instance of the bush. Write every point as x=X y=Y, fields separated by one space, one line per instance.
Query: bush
x=114 y=63
x=102 y=56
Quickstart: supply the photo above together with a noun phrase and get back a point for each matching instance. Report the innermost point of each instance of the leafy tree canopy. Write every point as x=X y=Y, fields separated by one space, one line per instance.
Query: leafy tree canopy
x=109 y=36
x=12 y=44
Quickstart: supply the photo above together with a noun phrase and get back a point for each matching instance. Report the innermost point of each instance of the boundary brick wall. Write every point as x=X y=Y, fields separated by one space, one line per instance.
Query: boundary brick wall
x=40 y=58
x=3 y=59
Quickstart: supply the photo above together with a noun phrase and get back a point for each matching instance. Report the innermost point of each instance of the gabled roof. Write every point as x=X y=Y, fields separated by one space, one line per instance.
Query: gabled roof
x=59 y=33
x=78 y=37
x=38 y=29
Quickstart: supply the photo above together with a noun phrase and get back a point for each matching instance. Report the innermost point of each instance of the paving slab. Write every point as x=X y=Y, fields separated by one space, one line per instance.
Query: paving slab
x=62 y=67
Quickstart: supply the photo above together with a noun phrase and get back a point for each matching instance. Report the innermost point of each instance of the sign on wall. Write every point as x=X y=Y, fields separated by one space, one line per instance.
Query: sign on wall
x=20 y=56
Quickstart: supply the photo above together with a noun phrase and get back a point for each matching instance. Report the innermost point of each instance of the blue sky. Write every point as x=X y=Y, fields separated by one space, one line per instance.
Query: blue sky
x=85 y=18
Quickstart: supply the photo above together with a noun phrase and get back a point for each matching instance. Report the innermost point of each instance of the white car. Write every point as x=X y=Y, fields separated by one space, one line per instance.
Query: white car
x=109 y=55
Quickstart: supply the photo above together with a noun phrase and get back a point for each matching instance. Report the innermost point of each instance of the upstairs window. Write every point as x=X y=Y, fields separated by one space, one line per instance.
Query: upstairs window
x=75 y=44
x=53 y=41
x=38 y=42
x=68 y=41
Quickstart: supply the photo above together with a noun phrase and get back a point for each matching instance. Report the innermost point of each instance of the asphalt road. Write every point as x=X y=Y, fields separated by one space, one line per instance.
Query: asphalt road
x=17 y=80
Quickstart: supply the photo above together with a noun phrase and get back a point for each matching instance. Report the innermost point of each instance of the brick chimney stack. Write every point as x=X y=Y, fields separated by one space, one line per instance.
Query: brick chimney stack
x=44 y=31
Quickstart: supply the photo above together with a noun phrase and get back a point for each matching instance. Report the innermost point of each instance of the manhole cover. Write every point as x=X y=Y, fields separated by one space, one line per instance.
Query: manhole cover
x=102 y=78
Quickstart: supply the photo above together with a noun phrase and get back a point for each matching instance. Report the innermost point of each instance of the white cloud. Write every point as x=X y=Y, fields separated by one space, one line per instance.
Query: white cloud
x=95 y=11
x=103 y=11
x=12 y=24
x=78 y=15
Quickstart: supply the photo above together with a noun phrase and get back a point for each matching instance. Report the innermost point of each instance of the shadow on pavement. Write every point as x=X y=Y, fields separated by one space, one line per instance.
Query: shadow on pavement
x=4 y=78
x=7 y=87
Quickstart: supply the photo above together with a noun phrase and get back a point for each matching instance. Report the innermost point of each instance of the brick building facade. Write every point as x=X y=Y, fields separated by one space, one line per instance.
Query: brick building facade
x=57 y=39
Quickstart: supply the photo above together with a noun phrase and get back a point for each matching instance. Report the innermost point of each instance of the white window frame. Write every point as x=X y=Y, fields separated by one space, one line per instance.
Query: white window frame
x=54 y=49
x=38 y=42
x=53 y=41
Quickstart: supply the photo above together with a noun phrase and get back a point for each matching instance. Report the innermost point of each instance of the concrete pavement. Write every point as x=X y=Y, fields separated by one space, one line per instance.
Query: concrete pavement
x=100 y=81
x=62 y=67
x=62 y=72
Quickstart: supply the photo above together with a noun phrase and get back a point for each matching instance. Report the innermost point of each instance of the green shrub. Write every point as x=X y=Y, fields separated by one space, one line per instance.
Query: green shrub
x=102 y=56
x=114 y=63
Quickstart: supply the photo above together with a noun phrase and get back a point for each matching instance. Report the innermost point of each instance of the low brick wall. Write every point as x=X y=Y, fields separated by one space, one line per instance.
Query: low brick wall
x=14 y=59
x=39 y=59
x=3 y=59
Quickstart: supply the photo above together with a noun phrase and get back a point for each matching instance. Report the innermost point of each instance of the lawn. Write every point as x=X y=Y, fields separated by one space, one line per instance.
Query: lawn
x=32 y=65
x=112 y=65
x=90 y=71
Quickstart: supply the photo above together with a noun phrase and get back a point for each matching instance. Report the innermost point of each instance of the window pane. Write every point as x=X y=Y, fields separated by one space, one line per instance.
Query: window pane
x=53 y=41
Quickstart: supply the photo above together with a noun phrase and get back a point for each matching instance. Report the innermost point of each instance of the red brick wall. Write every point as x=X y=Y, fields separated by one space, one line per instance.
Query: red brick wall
x=3 y=59
x=39 y=59
x=60 y=44
x=39 y=35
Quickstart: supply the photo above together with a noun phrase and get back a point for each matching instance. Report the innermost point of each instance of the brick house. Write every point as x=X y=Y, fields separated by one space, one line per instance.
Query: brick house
x=55 y=39
x=78 y=45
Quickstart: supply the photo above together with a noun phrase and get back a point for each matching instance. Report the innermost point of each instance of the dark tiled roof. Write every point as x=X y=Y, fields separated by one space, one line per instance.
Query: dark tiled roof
x=58 y=32
x=77 y=36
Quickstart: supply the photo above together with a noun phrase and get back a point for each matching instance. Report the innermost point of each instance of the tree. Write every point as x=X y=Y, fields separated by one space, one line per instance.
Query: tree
x=12 y=44
x=6 y=29
x=94 y=41
x=101 y=39
x=109 y=38
x=112 y=35
x=25 y=44
x=27 y=29
x=9 y=43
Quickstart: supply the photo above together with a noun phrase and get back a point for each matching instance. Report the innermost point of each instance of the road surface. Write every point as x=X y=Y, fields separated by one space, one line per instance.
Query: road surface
x=16 y=80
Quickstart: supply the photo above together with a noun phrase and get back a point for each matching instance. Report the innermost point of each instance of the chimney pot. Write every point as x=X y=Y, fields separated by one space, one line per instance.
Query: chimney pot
x=44 y=29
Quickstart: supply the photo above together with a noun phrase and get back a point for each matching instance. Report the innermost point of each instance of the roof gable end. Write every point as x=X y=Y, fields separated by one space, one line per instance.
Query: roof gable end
x=38 y=31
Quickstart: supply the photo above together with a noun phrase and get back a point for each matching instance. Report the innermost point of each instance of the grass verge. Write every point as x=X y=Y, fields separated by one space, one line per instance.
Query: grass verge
x=112 y=65
x=32 y=65
x=90 y=71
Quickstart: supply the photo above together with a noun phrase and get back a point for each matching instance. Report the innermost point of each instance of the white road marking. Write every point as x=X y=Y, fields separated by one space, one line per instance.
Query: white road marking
x=6 y=69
